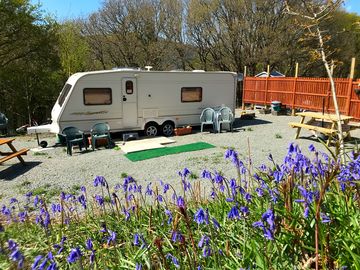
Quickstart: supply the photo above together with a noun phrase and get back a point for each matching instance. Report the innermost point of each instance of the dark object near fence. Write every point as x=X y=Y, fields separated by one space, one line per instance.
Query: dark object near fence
x=357 y=92
x=3 y=123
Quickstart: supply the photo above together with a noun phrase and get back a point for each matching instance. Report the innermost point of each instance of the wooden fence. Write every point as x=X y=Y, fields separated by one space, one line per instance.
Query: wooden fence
x=303 y=93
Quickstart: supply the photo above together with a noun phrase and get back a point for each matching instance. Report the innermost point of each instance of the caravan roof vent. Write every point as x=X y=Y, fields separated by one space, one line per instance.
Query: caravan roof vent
x=125 y=68
x=148 y=68
x=198 y=70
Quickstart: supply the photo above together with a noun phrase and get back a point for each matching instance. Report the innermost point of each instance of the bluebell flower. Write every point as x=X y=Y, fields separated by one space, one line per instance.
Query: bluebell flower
x=216 y=223
x=244 y=210
x=234 y=213
x=36 y=262
x=312 y=148
x=99 y=199
x=100 y=181
x=180 y=202
x=43 y=264
x=149 y=191
x=206 y=251
x=173 y=259
x=75 y=254
x=258 y=224
x=206 y=174
x=111 y=238
x=169 y=214
x=201 y=217
x=13 y=200
x=89 y=244
x=83 y=189
x=278 y=176
x=324 y=218
x=176 y=236
x=136 y=239
x=138 y=266
x=92 y=257
x=269 y=217
x=82 y=200
x=204 y=240
x=185 y=172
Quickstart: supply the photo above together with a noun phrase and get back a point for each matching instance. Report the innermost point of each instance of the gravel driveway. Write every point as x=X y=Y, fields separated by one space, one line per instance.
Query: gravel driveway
x=52 y=171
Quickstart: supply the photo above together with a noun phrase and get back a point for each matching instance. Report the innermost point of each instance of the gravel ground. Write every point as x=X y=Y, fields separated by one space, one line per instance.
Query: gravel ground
x=53 y=170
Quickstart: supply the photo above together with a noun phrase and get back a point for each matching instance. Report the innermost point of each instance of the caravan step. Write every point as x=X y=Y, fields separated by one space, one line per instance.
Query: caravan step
x=130 y=135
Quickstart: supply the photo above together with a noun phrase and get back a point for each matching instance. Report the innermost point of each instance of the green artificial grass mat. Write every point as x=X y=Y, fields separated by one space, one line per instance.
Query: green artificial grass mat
x=153 y=153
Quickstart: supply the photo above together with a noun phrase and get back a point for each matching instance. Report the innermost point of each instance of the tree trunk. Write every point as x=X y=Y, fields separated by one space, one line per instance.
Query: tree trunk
x=333 y=92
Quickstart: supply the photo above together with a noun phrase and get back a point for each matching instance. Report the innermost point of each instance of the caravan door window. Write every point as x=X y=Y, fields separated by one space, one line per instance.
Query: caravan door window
x=97 y=96
x=191 y=94
x=129 y=85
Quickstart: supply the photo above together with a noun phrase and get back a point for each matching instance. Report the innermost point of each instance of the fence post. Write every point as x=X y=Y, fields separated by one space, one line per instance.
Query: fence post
x=266 y=84
x=349 y=92
x=294 y=88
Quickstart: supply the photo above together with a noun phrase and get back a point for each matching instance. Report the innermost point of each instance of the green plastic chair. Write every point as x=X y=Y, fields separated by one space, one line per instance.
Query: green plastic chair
x=224 y=116
x=207 y=117
x=74 y=136
x=100 y=131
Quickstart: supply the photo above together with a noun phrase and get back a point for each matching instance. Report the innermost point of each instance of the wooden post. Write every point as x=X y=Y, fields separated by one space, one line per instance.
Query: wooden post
x=266 y=84
x=349 y=92
x=243 y=89
x=294 y=88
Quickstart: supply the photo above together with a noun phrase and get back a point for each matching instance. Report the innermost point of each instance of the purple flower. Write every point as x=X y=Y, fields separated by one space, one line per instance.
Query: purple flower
x=100 y=199
x=136 y=239
x=173 y=259
x=138 y=266
x=82 y=200
x=324 y=218
x=13 y=200
x=89 y=244
x=100 y=181
x=201 y=217
x=180 y=202
x=234 y=213
x=216 y=223
x=169 y=214
x=185 y=172
x=36 y=262
x=149 y=191
x=111 y=238
x=177 y=237
x=75 y=254
x=312 y=148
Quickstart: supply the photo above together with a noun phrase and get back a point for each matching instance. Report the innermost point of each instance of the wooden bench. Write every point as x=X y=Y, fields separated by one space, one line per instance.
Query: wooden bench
x=15 y=154
x=327 y=131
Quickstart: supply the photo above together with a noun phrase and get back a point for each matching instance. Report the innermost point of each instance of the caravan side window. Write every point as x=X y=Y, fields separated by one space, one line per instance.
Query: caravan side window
x=97 y=96
x=191 y=94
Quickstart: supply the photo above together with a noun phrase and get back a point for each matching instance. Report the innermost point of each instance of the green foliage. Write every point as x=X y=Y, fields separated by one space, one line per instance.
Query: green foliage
x=265 y=220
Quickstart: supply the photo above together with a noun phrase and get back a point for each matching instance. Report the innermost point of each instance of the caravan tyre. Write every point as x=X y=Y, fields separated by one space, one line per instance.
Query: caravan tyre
x=151 y=129
x=167 y=129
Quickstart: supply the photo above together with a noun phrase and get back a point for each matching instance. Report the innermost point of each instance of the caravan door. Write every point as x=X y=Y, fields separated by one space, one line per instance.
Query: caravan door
x=129 y=102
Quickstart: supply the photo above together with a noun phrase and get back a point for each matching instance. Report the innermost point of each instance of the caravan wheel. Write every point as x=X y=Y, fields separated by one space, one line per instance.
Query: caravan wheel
x=167 y=128
x=151 y=129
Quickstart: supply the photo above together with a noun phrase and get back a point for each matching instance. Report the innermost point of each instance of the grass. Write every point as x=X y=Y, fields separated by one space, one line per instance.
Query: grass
x=153 y=153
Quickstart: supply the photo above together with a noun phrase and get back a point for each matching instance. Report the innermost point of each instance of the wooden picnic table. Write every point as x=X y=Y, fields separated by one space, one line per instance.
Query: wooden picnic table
x=329 y=124
x=14 y=153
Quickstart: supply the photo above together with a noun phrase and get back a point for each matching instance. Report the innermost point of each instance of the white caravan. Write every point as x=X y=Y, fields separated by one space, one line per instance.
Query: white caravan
x=133 y=99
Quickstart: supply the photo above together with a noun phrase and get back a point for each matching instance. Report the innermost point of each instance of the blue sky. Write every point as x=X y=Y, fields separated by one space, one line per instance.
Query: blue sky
x=70 y=9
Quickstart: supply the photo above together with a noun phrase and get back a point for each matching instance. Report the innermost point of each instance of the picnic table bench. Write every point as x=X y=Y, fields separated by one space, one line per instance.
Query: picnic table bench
x=14 y=153
x=328 y=123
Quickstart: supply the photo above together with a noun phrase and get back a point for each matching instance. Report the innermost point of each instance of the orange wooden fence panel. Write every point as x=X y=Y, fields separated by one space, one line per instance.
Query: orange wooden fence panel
x=304 y=93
